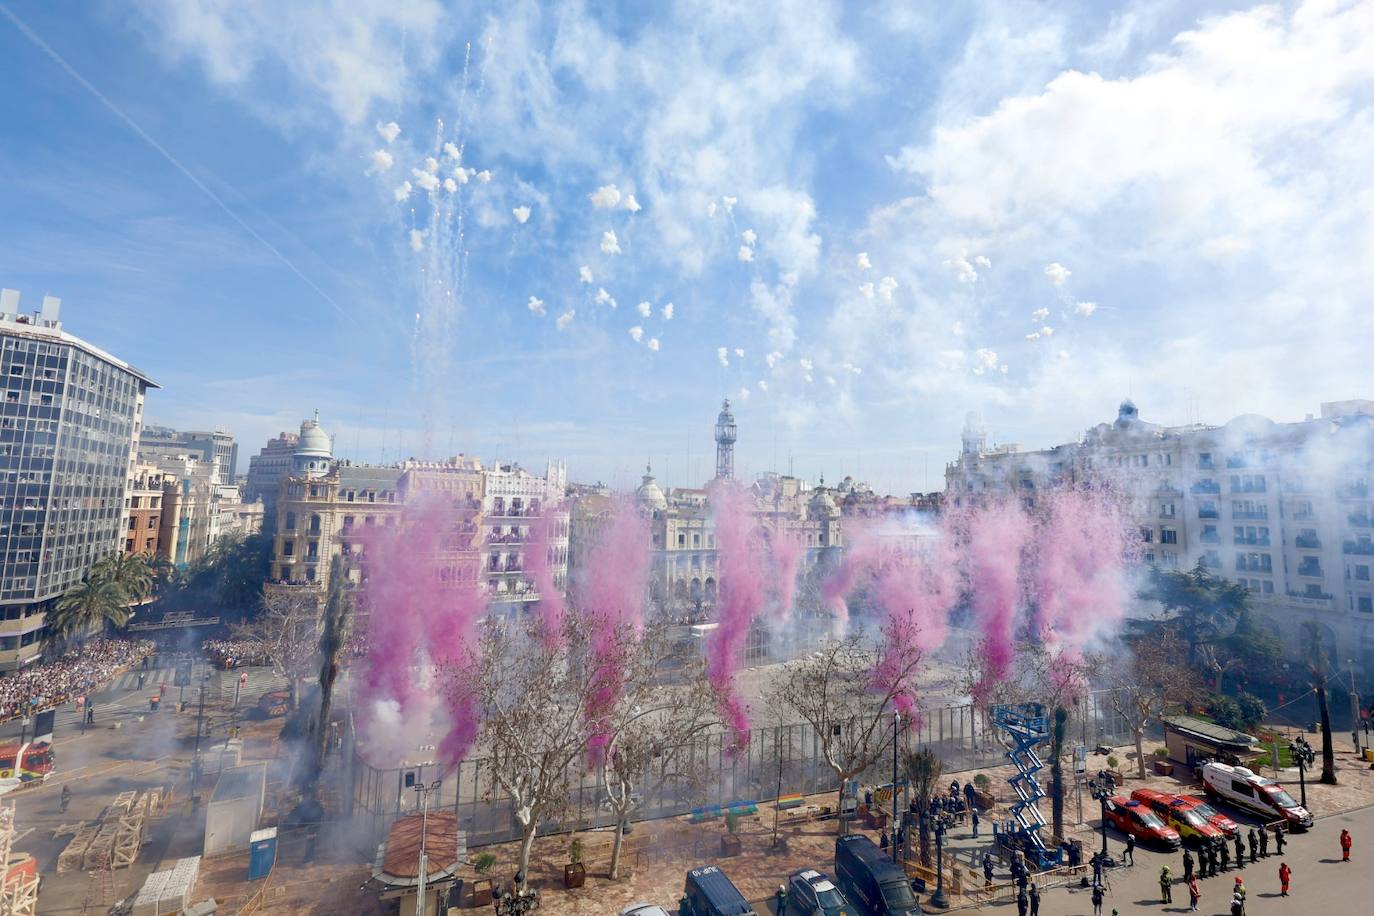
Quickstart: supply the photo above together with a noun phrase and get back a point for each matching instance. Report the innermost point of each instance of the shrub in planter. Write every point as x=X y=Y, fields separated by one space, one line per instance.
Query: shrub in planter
x=730 y=844
x=481 y=888
x=1162 y=752
x=981 y=782
x=574 y=873
x=1113 y=762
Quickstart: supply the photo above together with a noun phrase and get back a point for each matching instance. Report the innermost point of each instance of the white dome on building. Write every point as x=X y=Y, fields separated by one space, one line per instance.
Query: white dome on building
x=314 y=451
x=650 y=494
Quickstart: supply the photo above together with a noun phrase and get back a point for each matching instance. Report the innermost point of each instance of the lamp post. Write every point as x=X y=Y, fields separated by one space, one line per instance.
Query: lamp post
x=422 y=801
x=1354 y=708
x=1102 y=789
x=1302 y=755
x=896 y=725
x=938 y=899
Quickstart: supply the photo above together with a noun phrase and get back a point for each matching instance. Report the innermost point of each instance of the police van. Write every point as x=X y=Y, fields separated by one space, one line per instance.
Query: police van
x=873 y=884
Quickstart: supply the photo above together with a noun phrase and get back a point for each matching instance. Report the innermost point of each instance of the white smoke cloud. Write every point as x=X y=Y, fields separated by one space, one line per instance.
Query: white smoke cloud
x=637 y=333
x=431 y=165
x=744 y=394
x=982 y=262
x=1033 y=336
x=522 y=214
x=957 y=329
x=584 y=274
x=763 y=386
x=886 y=287
x=1057 y=273
x=645 y=309
x=963 y=270
x=535 y=305
x=851 y=369
x=461 y=175
x=866 y=289
x=711 y=208
x=739 y=352
x=450 y=186
x=629 y=203
x=749 y=236
x=723 y=355
x=451 y=150
x=605 y=298
x=382 y=160
x=772 y=359
x=1047 y=331
x=402 y=191
x=609 y=243
x=417 y=240
x=426 y=180
x=484 y=176
x=1040 y=314
x=862 y=261
x=605 y=197
x=389 y=131
x=746 y=254
x=806 y=367
x=1085 y=308
x=987 y=360
x=668 y=312
x=653 y=344
x=566 y=318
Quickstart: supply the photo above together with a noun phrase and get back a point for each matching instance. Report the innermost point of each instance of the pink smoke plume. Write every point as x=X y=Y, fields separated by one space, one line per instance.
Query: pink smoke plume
x=610 y=596
x=1079 y=578
x=916 y=587
x=861 y=555
x=996 y=535
x=552 y=607
x=741 y=597
x=785 y=553
x=419 y=599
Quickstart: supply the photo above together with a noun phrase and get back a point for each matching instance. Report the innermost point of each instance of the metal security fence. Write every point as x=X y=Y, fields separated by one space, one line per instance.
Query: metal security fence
x=777 y=759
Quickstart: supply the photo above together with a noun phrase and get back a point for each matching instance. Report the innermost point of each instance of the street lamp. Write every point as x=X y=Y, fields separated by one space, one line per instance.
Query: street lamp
x=422 y=792
x=1302 y=755
x=1102 y=788
x=938 y=899
x=896 y=725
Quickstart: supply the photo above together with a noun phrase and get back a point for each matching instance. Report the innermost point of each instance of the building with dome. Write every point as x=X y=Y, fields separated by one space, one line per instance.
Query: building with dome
x=1284 y=508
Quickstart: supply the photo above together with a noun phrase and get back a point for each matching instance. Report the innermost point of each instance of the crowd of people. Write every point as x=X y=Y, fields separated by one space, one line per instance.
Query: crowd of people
x=234 y=653
x=75 y=673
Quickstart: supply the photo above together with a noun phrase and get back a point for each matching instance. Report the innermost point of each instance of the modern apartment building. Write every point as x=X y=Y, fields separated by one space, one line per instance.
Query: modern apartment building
x=164 y=442
x=69 y=418
x=266 y=470
x=1286 y=508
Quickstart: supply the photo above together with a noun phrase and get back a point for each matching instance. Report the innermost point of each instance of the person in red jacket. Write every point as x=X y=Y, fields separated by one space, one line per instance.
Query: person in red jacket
x=1285 y=873
x=1346 y=843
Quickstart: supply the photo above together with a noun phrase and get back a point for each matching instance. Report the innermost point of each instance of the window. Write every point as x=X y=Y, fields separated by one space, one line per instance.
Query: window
x=288 y=549
x=696 y=540
x=1365 y=604
x=1166 y=510
x=682 y=540
x=1147 y=535
x=290 y=521
x=152 y=521
x=1362 y=573
x=1243 y=788
x=313 y=550
x=1168 y=536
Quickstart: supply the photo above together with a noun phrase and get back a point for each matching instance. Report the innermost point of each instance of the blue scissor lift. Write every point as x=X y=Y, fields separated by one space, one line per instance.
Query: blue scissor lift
x=1027 y=726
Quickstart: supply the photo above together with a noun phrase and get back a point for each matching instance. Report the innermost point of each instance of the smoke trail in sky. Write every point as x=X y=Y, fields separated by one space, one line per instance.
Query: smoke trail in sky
x=537 y=563
x=610 y=597
x=996 y=535
x=741 y=597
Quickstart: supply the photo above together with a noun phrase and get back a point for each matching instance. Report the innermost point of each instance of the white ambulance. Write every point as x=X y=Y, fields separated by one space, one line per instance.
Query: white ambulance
x=1242 y=788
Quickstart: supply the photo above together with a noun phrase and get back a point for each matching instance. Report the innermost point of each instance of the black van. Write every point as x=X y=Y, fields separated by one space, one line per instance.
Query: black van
x=710 y=893
x=873 y=884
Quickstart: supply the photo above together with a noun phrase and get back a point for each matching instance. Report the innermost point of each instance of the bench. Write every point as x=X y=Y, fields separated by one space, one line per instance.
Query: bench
x=705 y=813
x=795 y=800
x=743 y=808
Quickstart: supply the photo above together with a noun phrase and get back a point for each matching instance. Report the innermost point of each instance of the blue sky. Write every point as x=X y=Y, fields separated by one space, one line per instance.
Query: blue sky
x=1058 y=204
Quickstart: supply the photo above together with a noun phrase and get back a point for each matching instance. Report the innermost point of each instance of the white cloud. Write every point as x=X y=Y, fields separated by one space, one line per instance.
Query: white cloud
x=566 y=318
x=723 y=355
x=484 y=176
x=425 y=180
x=535 y=305
x=1047 y=331
x=604 y=298
x=584 y=275
x=763 y=385
x=862 y=261
x=653 y=344
x=986 y=360
x=739 y=352
x=644 y=309
x=605 y=197
x=629 y=203
x=806 y=364
x=746 y=254
x=431 y=165
x=749 y=236
x=402 y=191
x=1085 y=308
x=1057 y=273
x=830 y=380
x=1040 y=314
x=389 y=131
x=609 y=243
x=963 y=270
x=521 y=214
x=866 y=289
x=983 y=262
x=451 y=151
x=382 y=160
x=886 y=287
x=637 y=333
x=417 y=240
x=668 y=312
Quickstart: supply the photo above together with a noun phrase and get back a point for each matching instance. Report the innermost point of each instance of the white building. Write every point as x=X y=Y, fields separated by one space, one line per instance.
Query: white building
x=1285 y=508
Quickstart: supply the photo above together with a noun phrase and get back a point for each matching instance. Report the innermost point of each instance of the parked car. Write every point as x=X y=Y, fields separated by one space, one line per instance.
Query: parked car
x=810 y=893
x=1242 y=788
x=871 y=882
x=1140 y=822
x=1193 y=828
x=1218 y=820
x=709 y=892
x=644 y=909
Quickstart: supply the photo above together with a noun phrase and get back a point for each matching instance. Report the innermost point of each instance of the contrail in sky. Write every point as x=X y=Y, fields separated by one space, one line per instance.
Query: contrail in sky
x=32 y=36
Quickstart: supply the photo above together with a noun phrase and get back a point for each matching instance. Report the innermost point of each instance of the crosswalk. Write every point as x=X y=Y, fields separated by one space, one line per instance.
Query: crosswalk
x=129 y=679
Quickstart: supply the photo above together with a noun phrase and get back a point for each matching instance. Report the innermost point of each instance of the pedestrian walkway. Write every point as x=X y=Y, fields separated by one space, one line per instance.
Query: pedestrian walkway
x=129 y=679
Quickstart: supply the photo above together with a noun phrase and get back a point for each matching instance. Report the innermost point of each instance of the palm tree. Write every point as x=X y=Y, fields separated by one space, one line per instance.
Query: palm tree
x=1317 y=662
x=88 y=605
x=129 y=572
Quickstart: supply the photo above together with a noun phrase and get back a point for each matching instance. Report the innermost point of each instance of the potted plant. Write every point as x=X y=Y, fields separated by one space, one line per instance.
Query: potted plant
x=574 y=873
x=1163 y=765
x=1114 y=769
x=481 y=888
x=730 y=843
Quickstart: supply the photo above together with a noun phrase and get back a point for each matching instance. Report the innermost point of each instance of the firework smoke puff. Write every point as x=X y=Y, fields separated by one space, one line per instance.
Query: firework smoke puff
x=996 y=536
x=916 y=588
x=741 y=597
x=551 y=604
x=860 y=557
x=451 y=628
x=785 y=550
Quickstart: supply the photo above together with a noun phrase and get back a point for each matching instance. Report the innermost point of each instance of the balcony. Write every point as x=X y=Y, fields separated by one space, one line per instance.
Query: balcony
x=1206 y=464
x=1357 y=490
x=1251 y=515
x=1206 y=486
x=1237 y=461
x=1307 y=542
x=1264 y=568
x=1361 y=521
x=1311 y=570
x=1210 y=537
x=1169 y=491
x=1359 y=548
x=1205 y=512
x=1257 y=486
x=1253 y=542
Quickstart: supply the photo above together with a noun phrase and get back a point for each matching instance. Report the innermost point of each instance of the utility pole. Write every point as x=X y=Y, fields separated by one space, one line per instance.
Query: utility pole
x=1354 y=709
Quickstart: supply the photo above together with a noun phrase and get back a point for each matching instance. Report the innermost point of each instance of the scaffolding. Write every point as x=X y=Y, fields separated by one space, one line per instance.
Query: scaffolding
x=19 y=891
x=1027 y=726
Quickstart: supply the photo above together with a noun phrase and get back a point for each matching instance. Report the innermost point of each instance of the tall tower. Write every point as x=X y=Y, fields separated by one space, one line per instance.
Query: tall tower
x=725 y=442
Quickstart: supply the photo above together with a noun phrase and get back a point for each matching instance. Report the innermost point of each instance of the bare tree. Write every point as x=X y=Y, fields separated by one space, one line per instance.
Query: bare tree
x=652 y=729
x=1149 y=677
x=286 y=633
x=334 y=633
x=1318 y=670
x=534 y=696
x=923 y=770
x=835 y=692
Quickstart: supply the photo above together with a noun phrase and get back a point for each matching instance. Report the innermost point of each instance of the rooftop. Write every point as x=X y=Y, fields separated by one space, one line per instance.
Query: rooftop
x=445 y=847
x=1211 y=731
